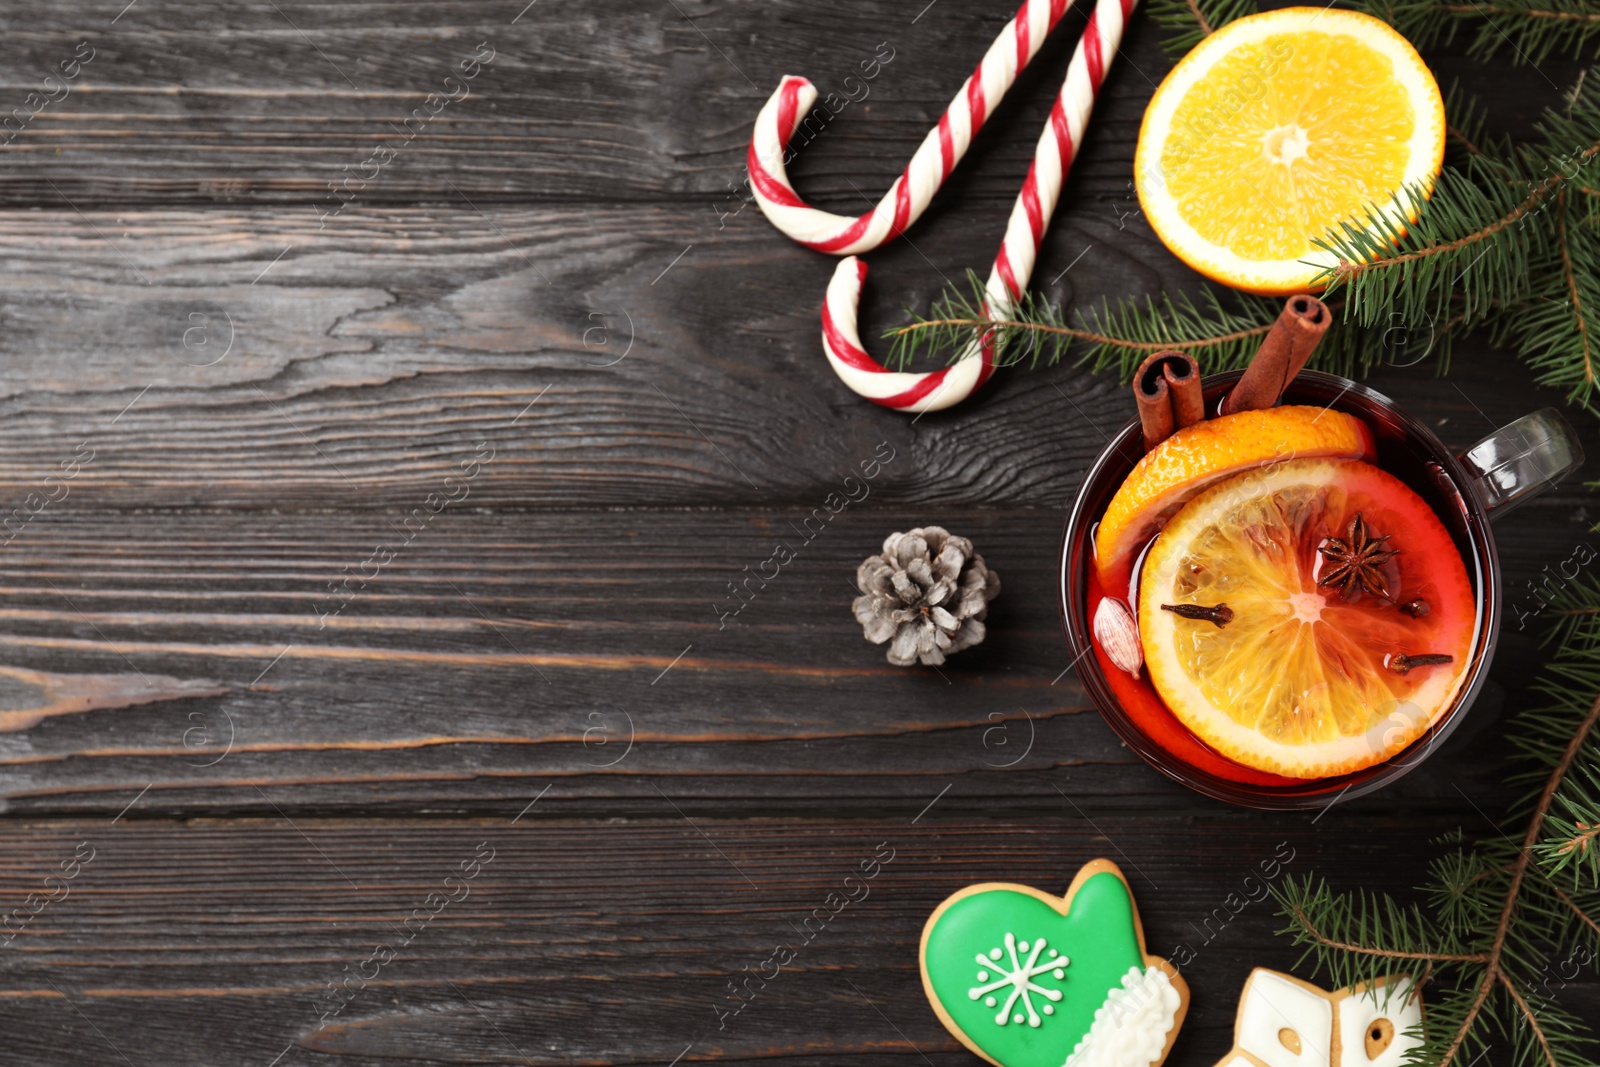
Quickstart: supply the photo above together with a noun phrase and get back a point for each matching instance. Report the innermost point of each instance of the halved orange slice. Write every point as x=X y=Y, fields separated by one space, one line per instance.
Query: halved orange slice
x=1276 y=129
x=1308 y=619
x=1200 y=455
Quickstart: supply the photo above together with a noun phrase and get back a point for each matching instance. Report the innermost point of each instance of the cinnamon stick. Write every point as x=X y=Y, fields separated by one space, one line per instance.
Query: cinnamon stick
x=1183 y=386
x=1282 y=355
x=1150 y=392
x=1167 y=390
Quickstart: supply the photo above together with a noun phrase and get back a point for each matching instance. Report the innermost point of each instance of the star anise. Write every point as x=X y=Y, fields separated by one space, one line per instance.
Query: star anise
x=1357 y=561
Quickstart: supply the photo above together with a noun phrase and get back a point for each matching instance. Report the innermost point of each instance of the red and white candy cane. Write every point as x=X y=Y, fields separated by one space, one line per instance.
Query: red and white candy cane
x=938 y=154
x=934 y=390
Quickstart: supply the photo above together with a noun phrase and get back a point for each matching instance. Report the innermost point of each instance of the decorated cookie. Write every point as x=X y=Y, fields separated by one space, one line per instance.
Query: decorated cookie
x=1027 y=979
x=1284 y=1022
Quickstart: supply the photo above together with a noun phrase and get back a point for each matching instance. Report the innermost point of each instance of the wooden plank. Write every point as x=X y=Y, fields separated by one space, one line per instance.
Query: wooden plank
x=597 y=944
x=580 y=101
x=583 y=101
x=500 y=653
x=267 y=364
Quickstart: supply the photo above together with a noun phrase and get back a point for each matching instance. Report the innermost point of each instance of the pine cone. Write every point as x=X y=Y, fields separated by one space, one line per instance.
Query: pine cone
x=928 y=591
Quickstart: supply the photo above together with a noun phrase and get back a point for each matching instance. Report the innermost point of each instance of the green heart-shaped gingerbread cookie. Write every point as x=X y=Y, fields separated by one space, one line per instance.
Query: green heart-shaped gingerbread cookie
x=1026 y=979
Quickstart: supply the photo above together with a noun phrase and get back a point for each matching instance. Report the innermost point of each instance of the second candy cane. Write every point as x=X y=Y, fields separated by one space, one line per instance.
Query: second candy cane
x=1013 y=265
x=938 y=154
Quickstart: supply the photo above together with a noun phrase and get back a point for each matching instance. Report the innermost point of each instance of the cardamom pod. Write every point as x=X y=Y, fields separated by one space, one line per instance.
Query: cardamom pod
x=1118 y=635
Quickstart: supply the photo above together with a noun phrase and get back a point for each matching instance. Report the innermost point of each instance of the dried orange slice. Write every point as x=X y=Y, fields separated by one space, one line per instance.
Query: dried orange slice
x=1202 y=454
x=1318 y=667
x=1276 y=129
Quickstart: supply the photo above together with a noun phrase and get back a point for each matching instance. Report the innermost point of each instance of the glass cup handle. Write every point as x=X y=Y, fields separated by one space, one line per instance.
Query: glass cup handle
x=1522 y=459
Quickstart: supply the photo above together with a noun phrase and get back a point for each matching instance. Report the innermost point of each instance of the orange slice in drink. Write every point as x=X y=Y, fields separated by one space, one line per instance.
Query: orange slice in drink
x=1308 y=619
x=1278 y=129
x=1205 y=453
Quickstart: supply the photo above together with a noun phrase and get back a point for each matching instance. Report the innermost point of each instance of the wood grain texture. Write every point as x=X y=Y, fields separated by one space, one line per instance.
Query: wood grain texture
x=562 y=949
x=361 y=367
x=502 y=652
x=550 y=372
x=191 y=102
x=270 y=103
x=30 y=697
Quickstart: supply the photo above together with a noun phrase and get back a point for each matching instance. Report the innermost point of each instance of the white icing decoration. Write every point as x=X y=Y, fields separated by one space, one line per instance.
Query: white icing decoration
x=1271 y=1003
x=1130 y=1029
x=1359 y=1011
x=1019 y=977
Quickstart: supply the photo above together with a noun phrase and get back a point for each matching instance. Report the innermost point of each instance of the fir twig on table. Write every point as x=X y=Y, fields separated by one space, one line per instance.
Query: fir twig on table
x=1086 y=336
x=1075 y=334
x=1577 y=912
x=1188 y=22
x=1531 y=30
x=1519 y=871
x=1581 y=841
x=1531 y=1018
x=1580 y=312
x=1386 y=953
x=1467 y=124
x=1359 y=243
x=1462 y=139
x=1528 y=13
x=1199 y=17
x=1533 y=13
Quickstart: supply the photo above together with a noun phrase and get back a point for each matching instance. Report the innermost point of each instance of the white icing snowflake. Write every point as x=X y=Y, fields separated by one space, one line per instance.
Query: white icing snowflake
x=1019 y=976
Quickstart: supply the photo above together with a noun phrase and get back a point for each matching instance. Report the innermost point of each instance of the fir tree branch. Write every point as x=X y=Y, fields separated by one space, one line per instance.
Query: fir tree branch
x=1354 y=267
x=1578 y=913
x=1467 y=122
x=1531 y=13
x=1119 y=335
x=1581 y=841
x=1088 y=336
x=1188 y=22
x=1531 y=29
x=1299 y=915
x=1557 y=328
x=1532 y=1019
x=1462 y=139
x=1493 y=969
x=1470 y=1018
x=1206 y=28
x=1578 y=313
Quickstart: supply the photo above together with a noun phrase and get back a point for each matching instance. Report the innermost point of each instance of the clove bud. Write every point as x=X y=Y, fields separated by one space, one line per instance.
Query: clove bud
x=1400 y=663
x=1222 y=615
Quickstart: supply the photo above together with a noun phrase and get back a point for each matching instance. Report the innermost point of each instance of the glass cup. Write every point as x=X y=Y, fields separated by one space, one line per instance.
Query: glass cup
x=1466 y=491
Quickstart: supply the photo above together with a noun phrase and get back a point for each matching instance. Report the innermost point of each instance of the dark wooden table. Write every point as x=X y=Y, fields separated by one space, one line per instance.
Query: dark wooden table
x=356 y=546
